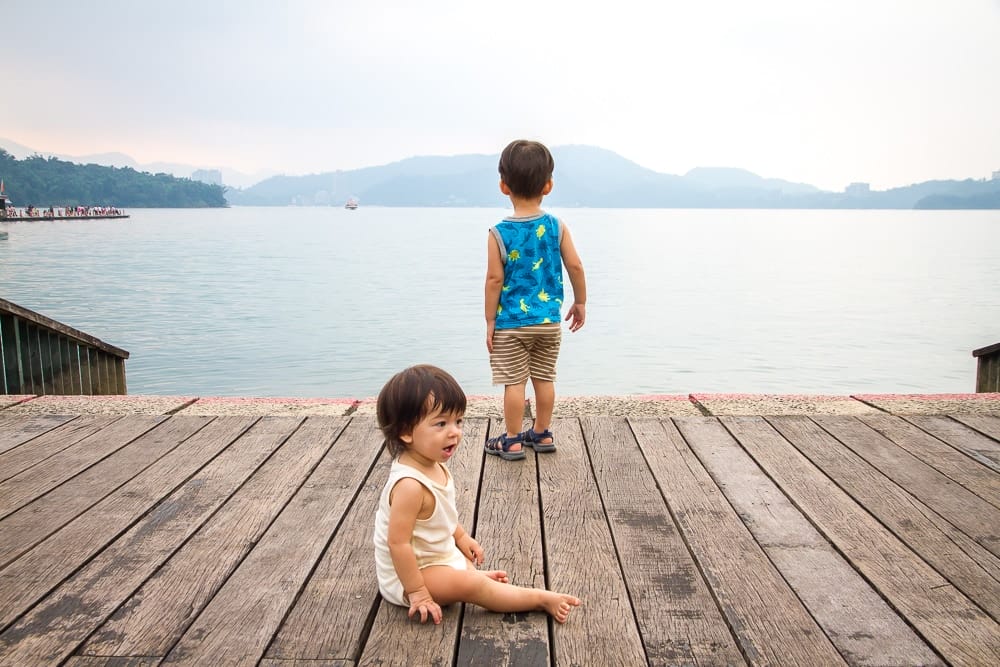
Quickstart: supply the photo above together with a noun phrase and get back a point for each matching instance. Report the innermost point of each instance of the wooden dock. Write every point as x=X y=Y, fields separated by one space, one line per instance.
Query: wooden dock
x=699 y=540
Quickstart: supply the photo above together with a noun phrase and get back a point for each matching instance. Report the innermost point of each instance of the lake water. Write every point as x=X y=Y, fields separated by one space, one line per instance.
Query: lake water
x=311 y=302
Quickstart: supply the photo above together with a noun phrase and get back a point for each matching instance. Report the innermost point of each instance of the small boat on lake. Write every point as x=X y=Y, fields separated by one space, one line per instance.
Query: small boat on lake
x=351 y=204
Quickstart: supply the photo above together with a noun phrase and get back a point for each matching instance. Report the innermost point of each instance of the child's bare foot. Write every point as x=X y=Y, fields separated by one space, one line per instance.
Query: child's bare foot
x=558 y=605
x=496 y=575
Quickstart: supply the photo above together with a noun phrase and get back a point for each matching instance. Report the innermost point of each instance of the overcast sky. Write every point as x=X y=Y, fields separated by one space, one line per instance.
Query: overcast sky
x=826 y=92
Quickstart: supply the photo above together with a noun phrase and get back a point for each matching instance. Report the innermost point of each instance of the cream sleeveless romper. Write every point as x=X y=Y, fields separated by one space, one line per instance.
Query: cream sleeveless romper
x=433 y=538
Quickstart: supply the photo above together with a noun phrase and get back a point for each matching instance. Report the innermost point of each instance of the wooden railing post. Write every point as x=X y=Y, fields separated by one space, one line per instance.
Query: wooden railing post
x=988 y=368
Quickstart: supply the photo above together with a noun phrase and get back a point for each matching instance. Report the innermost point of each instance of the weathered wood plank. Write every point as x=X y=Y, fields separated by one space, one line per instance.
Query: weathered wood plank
x=156 y=615
x=244 y=615
x=769 y=621
x=965 y=510
x=33 y=482
x=40 y=518
x=40 y=570
x=678 y=620
x=50 y=631
x=983 y=446
x=82 y=661
x=394 y=638
x=861 y=625
x=985 y=424
x=959 y=630
x=581 y=560
x=17 y=430
x=509 y=530
x=934 y=450
x=49 y=443
x=330 y=617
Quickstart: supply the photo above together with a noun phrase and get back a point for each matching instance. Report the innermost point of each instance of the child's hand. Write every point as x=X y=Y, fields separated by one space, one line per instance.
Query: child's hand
x=576 y=315
x=470 y=549
x=491 y=328
x=422 y=603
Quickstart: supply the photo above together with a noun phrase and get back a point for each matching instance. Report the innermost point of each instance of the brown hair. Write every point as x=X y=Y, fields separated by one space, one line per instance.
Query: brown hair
x=411 y=395
x=526 y=166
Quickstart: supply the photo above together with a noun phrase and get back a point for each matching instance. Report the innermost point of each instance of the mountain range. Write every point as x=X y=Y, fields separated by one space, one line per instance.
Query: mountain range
x=585 y=176
x=595 y=177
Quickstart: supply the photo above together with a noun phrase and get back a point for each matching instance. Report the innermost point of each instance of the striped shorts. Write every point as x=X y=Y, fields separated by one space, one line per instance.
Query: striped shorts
x=525 y=352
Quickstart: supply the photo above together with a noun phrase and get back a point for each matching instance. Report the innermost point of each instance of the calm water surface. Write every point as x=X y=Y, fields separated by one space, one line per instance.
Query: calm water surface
x=328 y=302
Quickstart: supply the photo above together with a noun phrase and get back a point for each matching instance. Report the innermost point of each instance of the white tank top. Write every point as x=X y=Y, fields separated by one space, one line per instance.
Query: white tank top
x=433 y=539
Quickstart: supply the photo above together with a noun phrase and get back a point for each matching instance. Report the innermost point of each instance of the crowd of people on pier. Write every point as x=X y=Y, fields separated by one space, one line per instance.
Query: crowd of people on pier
x=64 y=212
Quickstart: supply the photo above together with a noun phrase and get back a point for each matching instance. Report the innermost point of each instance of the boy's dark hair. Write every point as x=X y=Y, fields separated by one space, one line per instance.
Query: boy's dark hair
x=409 y=396
x=526 y=166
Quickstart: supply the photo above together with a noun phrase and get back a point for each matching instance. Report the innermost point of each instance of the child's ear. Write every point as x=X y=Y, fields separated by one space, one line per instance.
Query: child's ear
x=406 y=437
x=548 y=188
x=503 y=188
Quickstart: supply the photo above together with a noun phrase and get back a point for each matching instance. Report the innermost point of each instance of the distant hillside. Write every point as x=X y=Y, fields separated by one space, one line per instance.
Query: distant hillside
x=51 y=182
x=230 y=177
x=594 y=177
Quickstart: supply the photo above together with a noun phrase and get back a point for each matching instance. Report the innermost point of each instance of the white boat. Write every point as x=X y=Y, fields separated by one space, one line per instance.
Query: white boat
x=352 y=203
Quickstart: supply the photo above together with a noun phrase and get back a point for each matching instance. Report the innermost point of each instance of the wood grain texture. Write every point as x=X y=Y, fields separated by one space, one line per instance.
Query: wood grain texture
x=982 y=443
x=581 y=560
x=509 y=531
x=678 y=619
x=988 y=425
x=155 y=616
x=769 y=621
x=51 y=630
x=38 y=480
x=959 y=630
x=32 y=523
x=53 y=441
x=35 y=573
x=965 y=510
x=968 y=566
x=218 y=542
x=860 y=624
x=244 y=615
x=942 y=451
x=15 y=431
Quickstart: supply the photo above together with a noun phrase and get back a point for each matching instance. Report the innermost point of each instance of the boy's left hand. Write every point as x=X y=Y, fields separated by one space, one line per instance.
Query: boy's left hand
x=470 y=549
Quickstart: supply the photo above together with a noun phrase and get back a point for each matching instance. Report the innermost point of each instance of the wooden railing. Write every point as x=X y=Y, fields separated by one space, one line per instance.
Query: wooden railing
x=42 y=356
x=988 y=371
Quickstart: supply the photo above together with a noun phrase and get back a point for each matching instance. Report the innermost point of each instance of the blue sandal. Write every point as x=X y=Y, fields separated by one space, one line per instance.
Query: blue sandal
x=533 y=439
x=500 y=446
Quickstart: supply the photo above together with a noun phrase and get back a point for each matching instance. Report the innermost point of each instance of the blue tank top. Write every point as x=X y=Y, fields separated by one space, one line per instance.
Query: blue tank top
x=532 y=290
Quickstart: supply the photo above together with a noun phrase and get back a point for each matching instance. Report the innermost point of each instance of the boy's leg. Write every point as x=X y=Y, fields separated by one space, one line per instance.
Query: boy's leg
x=448 y=586
x=545 y=400
x=513 y=410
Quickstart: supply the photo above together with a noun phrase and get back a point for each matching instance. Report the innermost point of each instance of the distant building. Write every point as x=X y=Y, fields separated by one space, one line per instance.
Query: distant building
x=210 y=176
x=996 y=175
x=858 y=189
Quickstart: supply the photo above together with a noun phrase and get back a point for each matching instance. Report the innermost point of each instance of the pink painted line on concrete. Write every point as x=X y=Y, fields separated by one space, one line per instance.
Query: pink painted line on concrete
x=928 y=397
x=763 y=397
x=268 y=399
x=110 y=398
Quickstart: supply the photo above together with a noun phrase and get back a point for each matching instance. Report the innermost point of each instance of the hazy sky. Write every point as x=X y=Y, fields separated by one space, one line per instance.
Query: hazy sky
x=826 y=92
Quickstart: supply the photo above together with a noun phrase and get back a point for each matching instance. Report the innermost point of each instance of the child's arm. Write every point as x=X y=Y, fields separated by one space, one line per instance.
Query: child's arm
x=494 y=283
x=577 y=314
x=405 y=502
x=468 y=546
